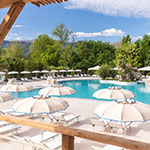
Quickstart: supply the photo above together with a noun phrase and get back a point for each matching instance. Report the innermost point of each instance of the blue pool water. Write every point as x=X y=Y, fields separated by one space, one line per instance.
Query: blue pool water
x=86 y=88
x=26 y=94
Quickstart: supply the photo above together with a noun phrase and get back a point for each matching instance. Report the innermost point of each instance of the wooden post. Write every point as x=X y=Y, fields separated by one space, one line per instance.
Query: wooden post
x=67 y=142
x=9 y=19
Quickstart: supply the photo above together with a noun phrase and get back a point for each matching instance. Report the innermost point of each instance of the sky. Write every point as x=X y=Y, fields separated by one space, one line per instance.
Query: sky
x=106 y=20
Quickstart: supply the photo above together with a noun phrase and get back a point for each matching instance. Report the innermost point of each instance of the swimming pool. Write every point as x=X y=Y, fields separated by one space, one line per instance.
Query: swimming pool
x=86 y=88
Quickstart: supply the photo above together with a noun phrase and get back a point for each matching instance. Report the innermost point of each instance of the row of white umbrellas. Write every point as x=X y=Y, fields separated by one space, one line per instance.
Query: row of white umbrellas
x=123 y=112
x=20 y=87
x=38 y=104
x=43 y=71
x=147 y=68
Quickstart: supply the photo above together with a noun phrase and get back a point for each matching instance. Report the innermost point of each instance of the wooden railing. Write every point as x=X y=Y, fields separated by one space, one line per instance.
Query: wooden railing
x=69 y=133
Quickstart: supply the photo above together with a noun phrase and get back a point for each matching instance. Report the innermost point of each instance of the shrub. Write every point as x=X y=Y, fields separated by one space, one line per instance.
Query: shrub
x=104 y=71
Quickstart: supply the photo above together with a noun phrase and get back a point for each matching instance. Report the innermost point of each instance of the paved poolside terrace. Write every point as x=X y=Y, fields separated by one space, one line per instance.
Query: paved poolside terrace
x=84 y=107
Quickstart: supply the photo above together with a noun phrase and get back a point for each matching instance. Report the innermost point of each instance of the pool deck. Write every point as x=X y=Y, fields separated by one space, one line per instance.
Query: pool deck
x=84 y=107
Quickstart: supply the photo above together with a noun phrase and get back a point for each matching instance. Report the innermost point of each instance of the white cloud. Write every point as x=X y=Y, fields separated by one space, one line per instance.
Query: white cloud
x=17 y=26
x=137 y=38
x=13 y=37
x=83 y=34
x=137 y=8
x=107 y=32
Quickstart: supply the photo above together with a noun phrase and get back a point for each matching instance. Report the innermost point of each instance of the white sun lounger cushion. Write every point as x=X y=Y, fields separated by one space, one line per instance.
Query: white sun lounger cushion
x=7 y=110
x=18 y=114
x=43 y=137
x=71 y=117
x=9 y=128
x=54 y=144
x=3 y=123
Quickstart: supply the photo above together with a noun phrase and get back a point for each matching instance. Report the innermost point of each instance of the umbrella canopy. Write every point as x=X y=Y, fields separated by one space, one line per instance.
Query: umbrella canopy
x=53 y=71
x=25 y=72
x=32 y=105
x=70 y=70
x=62 y=70
x=5 y=96
x=78 y=70
x=113 y=93
x=123 y=112
x=36 y=71
x=144 y=69
x=94 y=68
x=59 y=90
x=16 y=87
x=13 y=72
x=2 y=73
x=44 y=71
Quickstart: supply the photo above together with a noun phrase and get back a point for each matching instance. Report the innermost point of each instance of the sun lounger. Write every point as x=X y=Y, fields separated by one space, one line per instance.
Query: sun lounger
x=22 y=79
x=6 y=111
x=45 y=77
x=95 y=148
x=99 y=124
x=26 y=79
x=52 y=116
x=43 y=137
x=54 y=144
x=107 y=147
x=118 y=127
x=3 y=123
x=112 y=147
x=20 y=114
x=61 y=76
x=66 y=118
x=9 y=128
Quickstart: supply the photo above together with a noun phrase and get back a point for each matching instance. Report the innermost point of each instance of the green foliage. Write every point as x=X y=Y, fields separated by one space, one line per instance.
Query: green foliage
x=126 y=40
x=47 y=53
x=12 y=57
x=51 y=56
x=44 y=52
x=144 y=47
x=127 y=55
x=62 y=33
x=106 y=53
x=104 y=71
x=113 y=73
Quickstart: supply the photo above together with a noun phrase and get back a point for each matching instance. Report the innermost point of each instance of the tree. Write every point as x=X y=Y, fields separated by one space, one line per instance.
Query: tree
x=126 y=40
x=62 y=33
x=51 y=56
x=104 y=71
x=144 y=47
x=127 y=56
x=83 y=53
x=13 y=57
x=36 y=51
x=106 y=53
